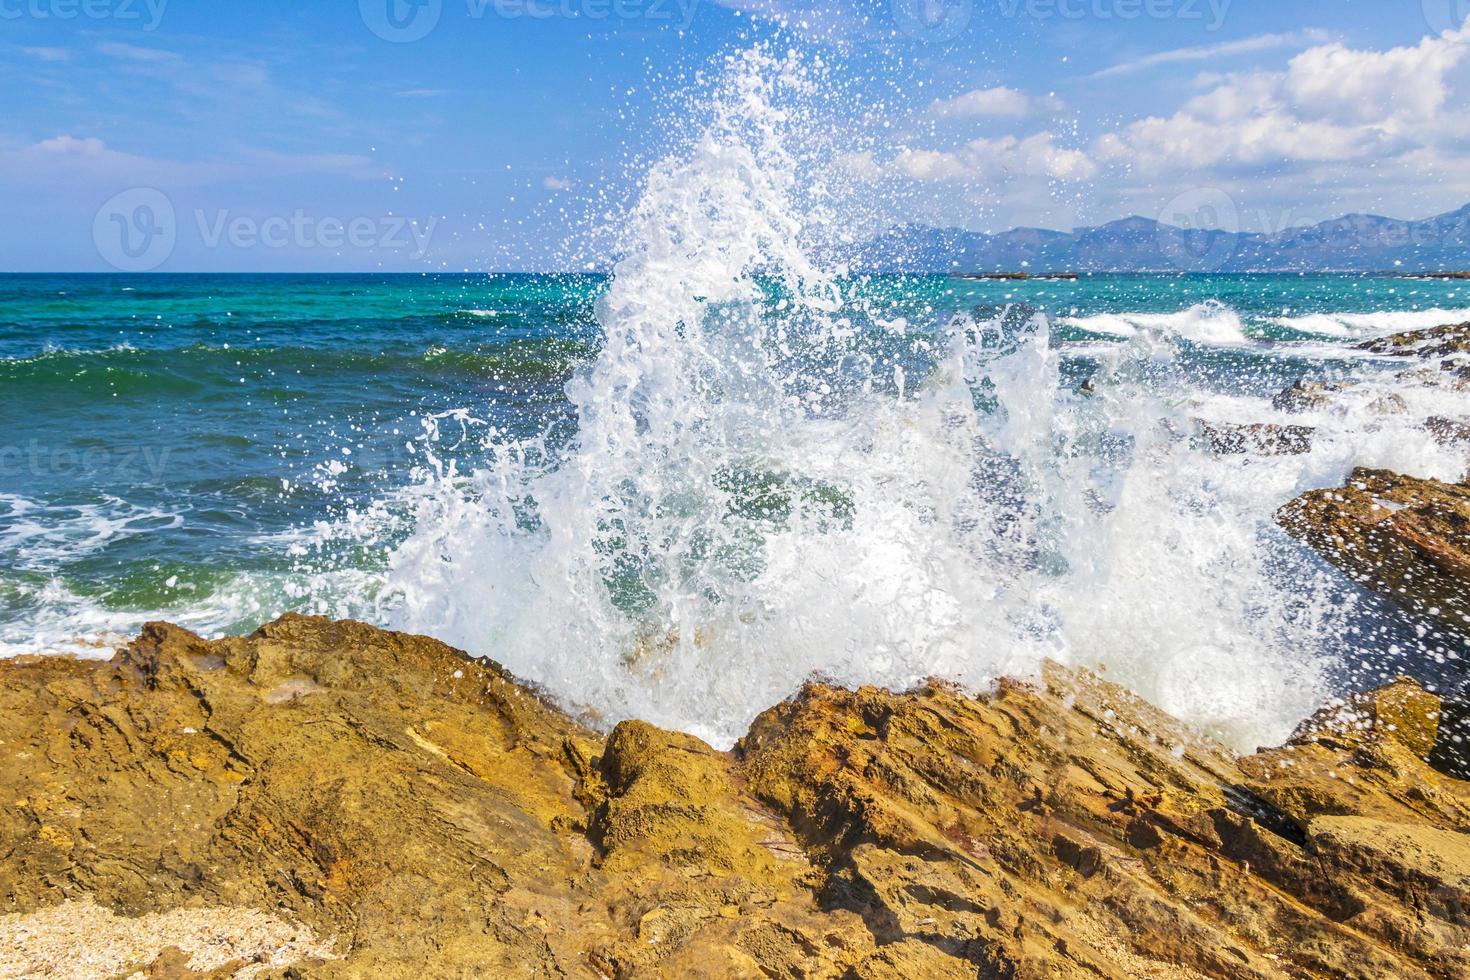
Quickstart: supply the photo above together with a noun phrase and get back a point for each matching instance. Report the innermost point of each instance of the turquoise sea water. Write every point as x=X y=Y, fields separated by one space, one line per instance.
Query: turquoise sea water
x=182 y=429
x=219 y=449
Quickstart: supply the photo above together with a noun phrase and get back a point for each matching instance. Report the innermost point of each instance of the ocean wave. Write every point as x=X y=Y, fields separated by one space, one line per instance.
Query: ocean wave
x=39 y=535
x=1210 y=323
x=45 y=614
x=758 y=492
x=58 y=620
x=123 y=365
x=1358 y=326
x=756 y=495
x=57 y=353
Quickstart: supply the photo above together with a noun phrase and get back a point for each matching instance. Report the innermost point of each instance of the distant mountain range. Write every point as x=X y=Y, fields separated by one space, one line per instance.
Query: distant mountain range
x=1352 y=243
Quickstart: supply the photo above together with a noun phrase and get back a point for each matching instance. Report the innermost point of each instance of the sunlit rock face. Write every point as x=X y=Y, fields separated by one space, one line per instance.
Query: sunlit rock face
x=342 y=800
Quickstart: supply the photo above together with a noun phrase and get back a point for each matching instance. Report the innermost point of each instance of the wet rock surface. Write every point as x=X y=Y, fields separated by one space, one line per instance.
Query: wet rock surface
x=1406 y=538
x=397 y=809
x=1257 y=439
x=1307 y=395
x=1448 y=432
x=1447 y=345
x=1444 y=349
x=1434 y=342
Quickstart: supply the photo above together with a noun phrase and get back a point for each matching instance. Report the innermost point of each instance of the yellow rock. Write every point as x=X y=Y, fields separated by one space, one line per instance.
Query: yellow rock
x=439 y=819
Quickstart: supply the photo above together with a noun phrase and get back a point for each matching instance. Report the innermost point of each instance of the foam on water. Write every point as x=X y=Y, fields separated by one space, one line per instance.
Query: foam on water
x=41 y=611
x=35 y=535
x=61 y=620
x=755 y=496
x=1211 y=323
x=1367 y=325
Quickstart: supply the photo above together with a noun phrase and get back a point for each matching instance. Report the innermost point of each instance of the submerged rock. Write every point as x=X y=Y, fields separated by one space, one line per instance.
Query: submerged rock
x=1406 y=538
x=1258 y=439
x=1448 y=344
x=393 y=808
x=1389 y=403
x=1448 y=432
x=1307 y=396
x=1312 y=396
x=1434 y=342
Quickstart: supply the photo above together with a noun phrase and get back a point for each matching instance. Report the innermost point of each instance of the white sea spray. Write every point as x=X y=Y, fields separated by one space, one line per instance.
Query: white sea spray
x=755 y=497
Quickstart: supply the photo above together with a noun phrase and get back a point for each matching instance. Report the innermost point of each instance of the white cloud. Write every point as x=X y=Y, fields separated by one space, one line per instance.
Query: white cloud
x=48 y=54
x=88 y=161
x=989 y=161
x=556 y=184
x=862 y=165
x=1001 y=101
x=1210 y=52
x=1332 y=104
x=133 y=52
x=935 y=165
x=71 y=146
x=1333 y=129
x=1393 y=87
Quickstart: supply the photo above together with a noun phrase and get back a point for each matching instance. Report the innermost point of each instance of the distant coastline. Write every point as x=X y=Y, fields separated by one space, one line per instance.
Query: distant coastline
x=1026 y=276
x=1016 y=276
x=1438 y=246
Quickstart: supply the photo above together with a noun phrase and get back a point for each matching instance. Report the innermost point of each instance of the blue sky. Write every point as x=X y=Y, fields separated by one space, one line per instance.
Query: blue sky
x=474 y=134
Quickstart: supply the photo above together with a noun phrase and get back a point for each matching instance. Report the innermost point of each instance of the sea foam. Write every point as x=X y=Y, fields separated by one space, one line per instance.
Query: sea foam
x=761 y=490
x=1210 y=323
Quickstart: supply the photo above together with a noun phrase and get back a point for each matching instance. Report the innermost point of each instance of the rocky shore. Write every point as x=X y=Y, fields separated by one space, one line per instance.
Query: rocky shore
x=327 y=799
x=1404 y=537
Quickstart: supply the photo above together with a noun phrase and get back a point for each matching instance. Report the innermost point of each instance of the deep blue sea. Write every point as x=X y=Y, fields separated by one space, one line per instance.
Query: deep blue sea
x=218 y=449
